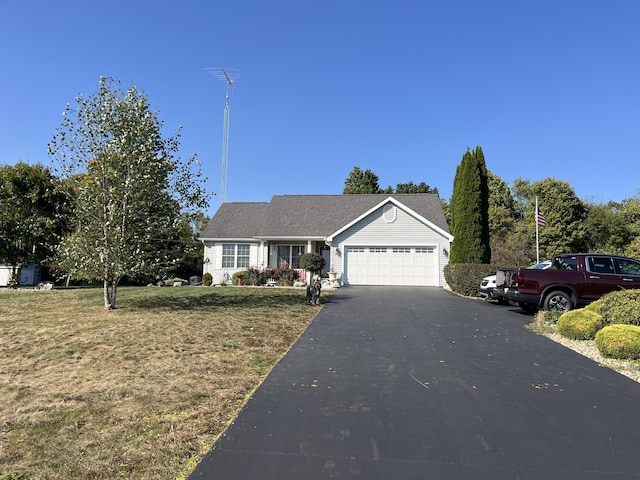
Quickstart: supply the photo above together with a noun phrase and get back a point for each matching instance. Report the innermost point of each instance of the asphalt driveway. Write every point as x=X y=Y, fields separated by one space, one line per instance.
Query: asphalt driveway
x=417 y=383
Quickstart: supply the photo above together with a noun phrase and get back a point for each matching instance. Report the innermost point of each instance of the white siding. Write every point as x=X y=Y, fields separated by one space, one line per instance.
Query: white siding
x=374 y=231
x=213 y=258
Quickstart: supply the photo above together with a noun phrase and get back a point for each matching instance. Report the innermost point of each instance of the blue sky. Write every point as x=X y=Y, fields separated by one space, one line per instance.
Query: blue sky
x=547 y=88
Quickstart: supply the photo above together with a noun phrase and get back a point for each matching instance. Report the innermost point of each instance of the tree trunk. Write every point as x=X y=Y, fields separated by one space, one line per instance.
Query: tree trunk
x=110 y=291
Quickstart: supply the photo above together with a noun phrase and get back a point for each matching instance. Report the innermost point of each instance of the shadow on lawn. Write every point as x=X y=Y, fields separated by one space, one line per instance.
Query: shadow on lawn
x=169 y=299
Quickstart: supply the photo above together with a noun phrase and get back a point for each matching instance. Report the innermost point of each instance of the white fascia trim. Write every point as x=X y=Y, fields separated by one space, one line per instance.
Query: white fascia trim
x=291 y=238
x=401 y=206
x=250 y=240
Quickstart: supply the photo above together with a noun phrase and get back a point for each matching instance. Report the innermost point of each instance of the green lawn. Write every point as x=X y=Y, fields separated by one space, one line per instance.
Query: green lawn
x=140 y=392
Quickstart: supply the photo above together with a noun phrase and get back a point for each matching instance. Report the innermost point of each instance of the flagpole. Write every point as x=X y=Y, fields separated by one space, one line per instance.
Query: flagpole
x=537 y=237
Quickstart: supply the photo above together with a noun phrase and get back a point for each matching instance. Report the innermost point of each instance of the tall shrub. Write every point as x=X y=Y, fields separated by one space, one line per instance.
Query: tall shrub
x=470 y=210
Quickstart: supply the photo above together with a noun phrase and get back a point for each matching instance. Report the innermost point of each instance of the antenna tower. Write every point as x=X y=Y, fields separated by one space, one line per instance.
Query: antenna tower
x=229 y=76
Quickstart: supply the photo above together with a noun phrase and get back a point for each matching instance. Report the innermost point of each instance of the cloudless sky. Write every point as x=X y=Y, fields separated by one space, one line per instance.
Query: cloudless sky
x=547 y=88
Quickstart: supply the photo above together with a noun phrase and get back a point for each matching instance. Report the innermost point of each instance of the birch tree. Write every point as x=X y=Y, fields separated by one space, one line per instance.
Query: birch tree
x=130 y=187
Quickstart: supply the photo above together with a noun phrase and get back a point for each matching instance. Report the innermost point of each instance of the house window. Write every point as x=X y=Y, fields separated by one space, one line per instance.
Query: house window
x=235 y=255
x=355 y=249
x=424 y=249
x=290 y=255
x=377 y=250
x=401 y=250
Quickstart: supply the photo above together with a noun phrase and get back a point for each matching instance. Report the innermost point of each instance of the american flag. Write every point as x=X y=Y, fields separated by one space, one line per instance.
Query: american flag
x=540 y=220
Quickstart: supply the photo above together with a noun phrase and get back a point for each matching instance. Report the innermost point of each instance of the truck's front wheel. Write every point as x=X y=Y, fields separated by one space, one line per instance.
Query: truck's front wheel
x=557 y=301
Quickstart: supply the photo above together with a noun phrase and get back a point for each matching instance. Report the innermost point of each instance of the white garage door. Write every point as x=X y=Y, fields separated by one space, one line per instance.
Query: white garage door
x=391 y=266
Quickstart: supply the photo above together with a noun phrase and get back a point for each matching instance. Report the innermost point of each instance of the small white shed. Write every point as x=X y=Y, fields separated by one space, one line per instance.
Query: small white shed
x=28 y=274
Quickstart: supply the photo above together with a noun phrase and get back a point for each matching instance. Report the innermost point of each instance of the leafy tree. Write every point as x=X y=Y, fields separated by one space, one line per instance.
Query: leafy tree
x=190 y=250
x=499 y=193
x=313 y=262
x=565 y=217
x=608 y=229
x=469 y=209
x=32 y=213
x=502 y=220
x=522 y=192
x=512 y=250
x=131 y=191
x=366 y=181
x=630 y=213
x=411 y=188
x=360 y=182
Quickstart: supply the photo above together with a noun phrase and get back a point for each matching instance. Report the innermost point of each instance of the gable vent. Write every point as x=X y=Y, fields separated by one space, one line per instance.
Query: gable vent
x=389 y=213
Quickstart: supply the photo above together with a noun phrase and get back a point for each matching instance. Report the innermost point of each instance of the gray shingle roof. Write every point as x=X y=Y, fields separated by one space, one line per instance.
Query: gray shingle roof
x=309 y=215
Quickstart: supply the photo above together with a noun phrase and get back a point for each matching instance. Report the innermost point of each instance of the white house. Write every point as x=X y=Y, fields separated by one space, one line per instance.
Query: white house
x=385 y=239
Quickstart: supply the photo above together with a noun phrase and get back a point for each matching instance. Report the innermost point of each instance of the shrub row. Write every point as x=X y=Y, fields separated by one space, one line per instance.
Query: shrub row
x=465 y=278
x=619 y=307
x=284 y=276
x=613 y=321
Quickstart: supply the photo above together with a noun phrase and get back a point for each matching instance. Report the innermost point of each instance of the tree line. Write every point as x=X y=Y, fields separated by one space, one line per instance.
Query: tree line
x=494 y=223
x=121 y=204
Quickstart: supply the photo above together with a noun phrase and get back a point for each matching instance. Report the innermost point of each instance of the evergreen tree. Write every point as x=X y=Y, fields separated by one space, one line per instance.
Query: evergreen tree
x=469 y=209
x=411 y=188
x=360 y=182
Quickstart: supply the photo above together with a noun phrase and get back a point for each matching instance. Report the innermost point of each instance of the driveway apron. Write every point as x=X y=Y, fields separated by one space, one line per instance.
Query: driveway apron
x=417 y=383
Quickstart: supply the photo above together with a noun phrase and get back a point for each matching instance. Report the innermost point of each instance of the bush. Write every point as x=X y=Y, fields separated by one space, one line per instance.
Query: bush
x=242 y=274
x=286 y=276
x=254 y=277
x=207 y=279
x=580 y=324
x=313 y=262
x=619 y=341
x=619 y=307
x=465 y=278
x=282 y=275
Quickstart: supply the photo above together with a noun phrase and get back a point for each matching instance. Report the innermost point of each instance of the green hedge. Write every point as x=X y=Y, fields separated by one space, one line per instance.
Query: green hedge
x=465 y=278
x=252 y=276
x=580 y=324
x=619 y=341
x=619 y=307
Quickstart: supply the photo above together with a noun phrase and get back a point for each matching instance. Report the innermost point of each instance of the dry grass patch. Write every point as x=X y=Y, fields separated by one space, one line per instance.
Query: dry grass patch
x=140 y=392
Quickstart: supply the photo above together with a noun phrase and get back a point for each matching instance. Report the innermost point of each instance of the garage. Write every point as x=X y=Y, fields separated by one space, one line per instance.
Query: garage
x=399 y=265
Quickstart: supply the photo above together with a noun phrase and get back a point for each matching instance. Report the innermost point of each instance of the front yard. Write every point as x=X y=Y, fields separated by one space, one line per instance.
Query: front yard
x=141 y=392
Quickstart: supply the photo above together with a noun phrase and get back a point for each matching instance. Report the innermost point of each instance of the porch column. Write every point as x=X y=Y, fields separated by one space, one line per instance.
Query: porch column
x=308 y=277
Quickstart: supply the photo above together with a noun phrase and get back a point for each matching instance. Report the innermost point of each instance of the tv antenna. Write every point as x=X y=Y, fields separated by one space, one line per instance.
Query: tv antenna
x=229 y=76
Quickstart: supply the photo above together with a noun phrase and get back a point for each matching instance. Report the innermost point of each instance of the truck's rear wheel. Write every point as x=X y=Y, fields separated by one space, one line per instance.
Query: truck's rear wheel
x=558 y=301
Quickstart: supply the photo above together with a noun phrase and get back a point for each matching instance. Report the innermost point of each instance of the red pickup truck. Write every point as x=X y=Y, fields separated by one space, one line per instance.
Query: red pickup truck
x=573 y=280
